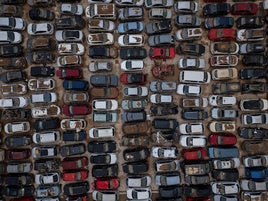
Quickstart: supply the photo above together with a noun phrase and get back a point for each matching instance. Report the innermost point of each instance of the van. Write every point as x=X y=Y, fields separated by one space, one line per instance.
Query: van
x=101 y=11
x=189 y=76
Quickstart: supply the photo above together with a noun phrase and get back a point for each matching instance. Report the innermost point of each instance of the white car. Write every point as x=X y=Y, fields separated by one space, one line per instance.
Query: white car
x=71 y=48
x=191 y=128
x=250 y=34
x=225 y=187
x=132 y=65
x=105 y=195
x=188 y=34
x=69 y=35
x=41 y=84
x=101 y=132
x=71 y=9
x=107 y=104
x=17 y=127
x=191 y=76
x=224 y=73
x=46 y=137
x=129 y=2
x=42 y=28
x=14 y=102
x=160 y=13
x=222 y=126
x=189 y=89
x=255 y=161
x=254 y=104
x=250 y=119
x=251 y=185
x=190 y=62
x=100 y=25
x=131 y=40
x=222 y=100
x=138 y=181
x=186 y=7
x=138 y=193
x=73 y=124
x=47 y=178
x=16 y=88
x=44 y=151
x=100 y=39
x=193 y=141
x=49 y=97
x=45 y=111
x=226 y=163
x=135 y=91
x=12 y=23
x=161 y=98
x=224 y=60
x=254 y=195
x=164 y=152
x=97 y=66
x=10 y=37
x=158 y=3
x=69 y=60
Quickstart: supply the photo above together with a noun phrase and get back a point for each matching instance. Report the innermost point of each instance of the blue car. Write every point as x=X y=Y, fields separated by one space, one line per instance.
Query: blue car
x=223 y=152
x=74 y=136
x=219 y=22
x=130 y=27
x=75 y=85
x=256 y=173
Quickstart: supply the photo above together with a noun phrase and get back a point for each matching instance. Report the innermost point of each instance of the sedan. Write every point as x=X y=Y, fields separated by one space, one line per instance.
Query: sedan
x=249 y=48
x=71 y=110
x=169 y=179
x=244 y=8
x=164 y=152
x=193 y=141
x=10 y=37
x=138 y=91
x=157 y=27
x=162 y=53
x=216 y=9
x=131 y=40
x=42 y=28
x=249 y=119
x=69 y=35
x=223 y=34
x=191 y=62
x=222 y=139
x=133 y=78
x=189 y=89
x=219 y=22
x=252 y=185
x=161 y=40
x=71 y=9
x=12 y=23
x=105 y=104
x=159 y=3
x=130 y=27
x=254 y=104
x=225 y=187
x=194 y=154
x=193 y=49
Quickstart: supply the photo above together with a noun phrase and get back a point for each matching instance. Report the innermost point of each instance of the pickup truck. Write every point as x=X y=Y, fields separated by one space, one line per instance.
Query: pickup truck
x=194 y=102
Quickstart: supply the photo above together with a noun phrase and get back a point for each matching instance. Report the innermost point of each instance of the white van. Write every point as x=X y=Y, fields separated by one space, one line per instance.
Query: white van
x=191 y=76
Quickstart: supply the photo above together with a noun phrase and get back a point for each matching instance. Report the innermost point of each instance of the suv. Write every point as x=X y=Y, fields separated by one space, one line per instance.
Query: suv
x=104 y=80
x=102 y=52
x=13 y=76
x=188 y=76
x=165 y=124
x=106 y=117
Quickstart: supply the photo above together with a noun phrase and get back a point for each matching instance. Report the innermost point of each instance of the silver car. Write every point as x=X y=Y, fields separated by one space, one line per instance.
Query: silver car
x=12 y=23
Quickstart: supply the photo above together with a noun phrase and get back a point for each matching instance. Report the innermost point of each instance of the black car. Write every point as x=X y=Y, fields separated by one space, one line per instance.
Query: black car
x=13 y=76
x=253 y=133
x=252 y=48
x=136 y=154
x=157 y=27
x=165 y=124
x=194 y=49
x=226 y=87
x=187 y=21
x=105 y=171
x=74 y=136
x=216 y=9
x=70 y=22
x=102 y=52
x=19 y=191
x=255 y=60
x=133 y=116
x=46 y=165
x=253 y=73
x=42 y=71
x=101 y=146
x=72 y=149
x=18 y=141
x=133 y=53
x=225 y=175
x=11 y=50
x=40 y=14
x=104 y=80
x=14 y=114
x=197 y=179
x=40 y=57
x=73 y=189
x=46 y=124
x=254 y=87
x=135 y=167
x=41 y=43
x=170 y=191
x=197 y=191
x=159 y=110
x=102 y=159
x=15 y=2
x=249 y=22
x=19 y=179
x=194 y=114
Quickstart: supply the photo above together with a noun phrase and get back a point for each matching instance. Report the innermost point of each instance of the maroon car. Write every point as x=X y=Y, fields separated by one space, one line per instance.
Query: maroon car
x=69 y=73
x=74 y=163
x=18 y=154
x=133 y=78
x=222 y=139
x=71 y=110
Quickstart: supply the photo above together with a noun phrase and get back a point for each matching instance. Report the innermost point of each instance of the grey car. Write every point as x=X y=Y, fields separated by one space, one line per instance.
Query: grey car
x=104 y=80
x=169 y=179
x=130 y=27
x=161 y=40
x=130 y=13
x=105 y=117
x=187 y=21
x=163 y=86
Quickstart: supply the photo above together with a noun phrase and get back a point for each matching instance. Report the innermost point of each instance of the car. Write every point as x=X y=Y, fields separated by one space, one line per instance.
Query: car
x=228 y=47
x=129 y=3
x=104 y=116
x=132 y=65
x=100 y=39
x=69 y=61
x=194 y=102
x=222 y=100
x=226 y=87
x=10 y=10
x=157 y=27
x=223 y=113
x=226 y=175
x=255 y=60
x=222 y=34
x=166 y=165
x=196 y=167
x=105 y=171
x=71 y=110
x=109 y=195
x=69 y=35
x=138 y=193
x=12 y=23
x=216 y=9
x=73 y=135
x=13 y=102
x=107 y=104
x=10 y=37
x=250 y=35
x=40 y=57
x=133 y=116
x=191 y=128
x=70 y=22
x=245 y=22
x=44 y=151
x=194 y=154
x=222 y=126
x=163 y=86
x=196 y=179
x=18 y=191
x=162 y=52
x=188 y=34
x=46 y=137
x=138 y=91
x=254 y=87
x=18 y=179
x=130 y=27
x=197 y=191
x=192 y=49
x=97 y=52
x=244 y=8
x=130 y=140
x=255 y=161
x=224 y=60
x=41 y=14
x=41 y=84
x=81 y=85
x=134 y=128
x=36 y=3
x=45 y=111
x=193 y=76
x=161 y=98
x=17 y=141
x=189 y=89
x=226 y=163
x=98 y=66
x=106 y=183
x=14 y=114
x=75 y=97
x=133 y=53
x=47 y=178
x=191 y=62
x=128 y=40
x=72 y=149
x=163 y=71
x=256 y=173
x=248 y=48
x=49 y=97
x=133 y=78
x=104 y=92
x=219 y=22
x=185 y=7
x=261 y=195
x=41 y=28
x=47 y=164
x=71 y=9
x=139 y=167
x=136 y=154
x=42 y=71
x=43 y=191
x=253 y=73
x=259 y=118
x=249 y=133
x=74 y=189
x=164 y=152
x=17 y=154
x=161 y=3
x=187 y=20
x=190 y=114
x=70 y=48
x=253 y=146
x=161 y=40
x=225 y=187
x=160 y=13
x=18 y=167
x=13 y=76
x=69 y=73
x=222 y=139
x=105 y=158
x=41 y=43
x=224 y=73
x=158 y=110
x=223 y=152
x=73 y=163
x=73 y=124
x=253 y=185
x=254 y=104
x=167 y=179
x=73 y=175
x=164 y=124
x=11 y=50
x=103 y=25
x=17 y=88
x=101 y=132
x=130 y=14
x=193 y=141
x=96 y=10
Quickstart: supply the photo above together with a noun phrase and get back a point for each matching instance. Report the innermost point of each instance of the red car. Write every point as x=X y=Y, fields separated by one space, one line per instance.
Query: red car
x=244 y=8
x=74 y=163
x=163 y=71
x=162 y=52
x=224 y=34
x=133 y=78
x=75 y=175
x=198 y=199
x=23 y=199
x=69 y=73
x=106 y=183
x=222 y=139
x=194 y=154
x=70 y=110
x=18 y=154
